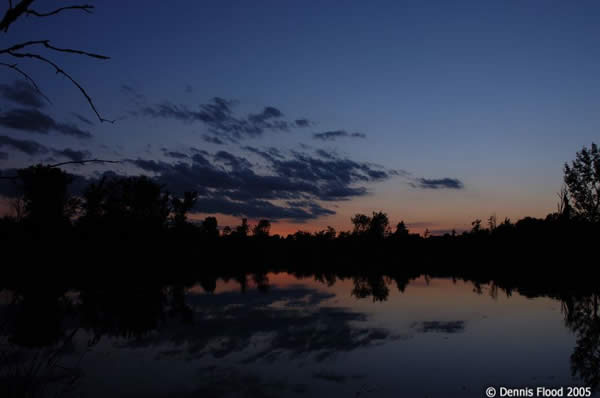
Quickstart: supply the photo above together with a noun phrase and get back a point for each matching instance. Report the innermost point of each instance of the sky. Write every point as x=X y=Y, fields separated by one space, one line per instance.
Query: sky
x=305 y=113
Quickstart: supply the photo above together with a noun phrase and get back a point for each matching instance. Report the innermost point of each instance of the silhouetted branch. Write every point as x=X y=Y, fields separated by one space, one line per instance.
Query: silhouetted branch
x=85 y=8
x=59 y=70
x=29 y=79
x=22 y=8
x=15 y=177
x=84 y=162
x=13 y=13
x=46 y=43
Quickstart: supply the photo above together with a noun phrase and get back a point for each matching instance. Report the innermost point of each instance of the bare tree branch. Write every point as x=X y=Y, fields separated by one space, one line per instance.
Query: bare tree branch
x=13 y=13
x=72 y=51
x=83 y=162
x=59 y=70
x=85 y=8
x=16 y=177
x=22 y=8
x=29 y=79
x=46 y=43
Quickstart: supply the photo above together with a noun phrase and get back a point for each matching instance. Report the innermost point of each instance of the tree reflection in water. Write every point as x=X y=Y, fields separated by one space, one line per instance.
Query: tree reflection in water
x=581 y=316
x=43 y=328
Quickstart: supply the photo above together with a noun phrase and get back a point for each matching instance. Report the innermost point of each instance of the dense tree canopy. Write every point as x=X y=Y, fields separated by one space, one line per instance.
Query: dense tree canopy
x=582 y=178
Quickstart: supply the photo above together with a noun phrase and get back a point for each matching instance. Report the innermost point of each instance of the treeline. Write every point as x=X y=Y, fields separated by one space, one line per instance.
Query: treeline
x=137 y=209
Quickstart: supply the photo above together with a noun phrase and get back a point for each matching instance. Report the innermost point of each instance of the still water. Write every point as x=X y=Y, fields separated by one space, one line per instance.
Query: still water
x=285 y=336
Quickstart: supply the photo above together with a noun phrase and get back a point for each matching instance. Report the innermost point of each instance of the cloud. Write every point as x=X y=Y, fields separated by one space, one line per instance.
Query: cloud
x=33 y=148
x=175 y=154
x=219 y=118
x=267 y=114
x=212 y=140
x=72 y=130
x=302 y=123
x=289 y=186
x=271 y=154
x=235 y=162
x=83 y=119
x=335 y=172
x=326 y=154
x=333 y=135
x=440 y=183
x=22 y=93
x=450 y=327
x=152 y=166
x=255 y=208
x=73 y=154
x=329 y=376
x=28 y=147
x=133 y=93
x=303 y=325
x=3 y=155
x=214 y=113
x=329 y=179
x=34 y=121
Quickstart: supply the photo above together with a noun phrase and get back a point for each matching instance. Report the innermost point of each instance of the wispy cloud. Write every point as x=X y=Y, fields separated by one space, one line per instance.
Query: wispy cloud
x=333 y=135
x=22 y=93
x=34 y=121
x=73 y=154
x=231 y=184
x=28 y=147
x=219 y=117
x=440 y=183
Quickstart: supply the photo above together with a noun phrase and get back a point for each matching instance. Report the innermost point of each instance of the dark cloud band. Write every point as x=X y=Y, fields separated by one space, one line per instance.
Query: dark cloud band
x=34 y=121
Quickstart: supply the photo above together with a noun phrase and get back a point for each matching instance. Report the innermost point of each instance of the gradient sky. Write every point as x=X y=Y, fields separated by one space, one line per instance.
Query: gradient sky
x=494 y=96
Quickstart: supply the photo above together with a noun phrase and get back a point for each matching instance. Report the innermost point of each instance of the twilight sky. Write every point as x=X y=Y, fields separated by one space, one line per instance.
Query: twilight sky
x=305 y=113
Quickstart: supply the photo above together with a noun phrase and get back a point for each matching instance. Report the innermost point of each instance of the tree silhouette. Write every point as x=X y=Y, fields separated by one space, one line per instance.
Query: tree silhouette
x=377 y=226
x=210 y=228
x=582 y=179
x=181 y=206
x=401 y=230
x=242 y=230
x=262 y=229
x=130 y=206
x=46 y=204
x=327 y=234
x=361 y=223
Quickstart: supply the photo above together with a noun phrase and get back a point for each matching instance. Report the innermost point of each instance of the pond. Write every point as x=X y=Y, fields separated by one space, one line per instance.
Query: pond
x=280 y=335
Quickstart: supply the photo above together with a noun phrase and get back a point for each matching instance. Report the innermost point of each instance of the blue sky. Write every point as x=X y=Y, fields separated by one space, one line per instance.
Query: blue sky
x=496 y=95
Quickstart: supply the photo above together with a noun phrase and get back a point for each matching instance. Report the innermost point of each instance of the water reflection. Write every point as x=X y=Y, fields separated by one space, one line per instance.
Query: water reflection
x=581 y=316
x=260 y=335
